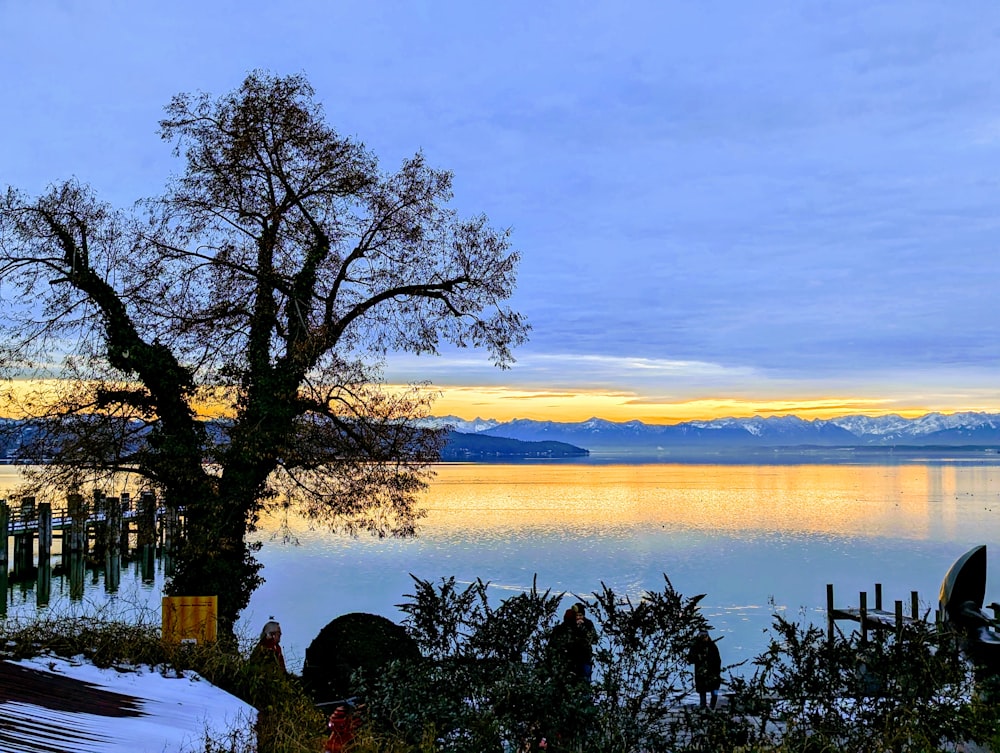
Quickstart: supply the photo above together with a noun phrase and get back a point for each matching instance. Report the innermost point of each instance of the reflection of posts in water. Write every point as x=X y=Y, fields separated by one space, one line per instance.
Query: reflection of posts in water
x=75 y=544
x=112 y=571
x=4 y=533
x=112 y=537
x=170 y=531
x=43 y=583
x=146 y=536
x=147 y=564
x=76 y=568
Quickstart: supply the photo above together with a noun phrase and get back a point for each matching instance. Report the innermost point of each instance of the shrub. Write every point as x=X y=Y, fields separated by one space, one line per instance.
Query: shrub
x=905 y=690
x=484 y=683
x=483 y=680
x=355 y=643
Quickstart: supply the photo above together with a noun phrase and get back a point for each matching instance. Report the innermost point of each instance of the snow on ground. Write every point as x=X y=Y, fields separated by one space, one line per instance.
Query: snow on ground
x=135 y=710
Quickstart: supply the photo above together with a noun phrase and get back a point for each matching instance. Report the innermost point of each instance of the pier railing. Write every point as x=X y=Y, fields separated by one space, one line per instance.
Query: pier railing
x=100 y=529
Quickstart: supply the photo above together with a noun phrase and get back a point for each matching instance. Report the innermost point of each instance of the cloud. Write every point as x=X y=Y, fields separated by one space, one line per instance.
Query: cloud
x=708 y=197
x=566 y=369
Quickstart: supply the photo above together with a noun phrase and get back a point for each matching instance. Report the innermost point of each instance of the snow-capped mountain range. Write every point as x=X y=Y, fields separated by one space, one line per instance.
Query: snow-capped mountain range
x=947 y=430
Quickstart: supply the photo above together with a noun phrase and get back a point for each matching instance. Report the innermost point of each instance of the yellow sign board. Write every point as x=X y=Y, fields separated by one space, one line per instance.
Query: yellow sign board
x=190 y=619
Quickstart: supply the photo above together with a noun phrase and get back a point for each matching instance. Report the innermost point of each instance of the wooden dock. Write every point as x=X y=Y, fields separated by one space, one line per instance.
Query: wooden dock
x=871 y=618
x=96 y=531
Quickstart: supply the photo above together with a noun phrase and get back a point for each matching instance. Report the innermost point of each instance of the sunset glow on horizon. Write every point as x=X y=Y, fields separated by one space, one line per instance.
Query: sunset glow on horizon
x=570 y=406
x=506 y=404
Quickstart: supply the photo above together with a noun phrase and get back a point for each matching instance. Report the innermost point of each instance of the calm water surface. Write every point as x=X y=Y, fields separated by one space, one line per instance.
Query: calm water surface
x=754 y=538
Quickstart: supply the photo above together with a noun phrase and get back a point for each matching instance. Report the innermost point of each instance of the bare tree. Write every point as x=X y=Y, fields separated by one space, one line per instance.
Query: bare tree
x=271 y=279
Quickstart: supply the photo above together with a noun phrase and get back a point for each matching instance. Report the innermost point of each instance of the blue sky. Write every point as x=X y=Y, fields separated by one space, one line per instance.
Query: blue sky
x=723 y=207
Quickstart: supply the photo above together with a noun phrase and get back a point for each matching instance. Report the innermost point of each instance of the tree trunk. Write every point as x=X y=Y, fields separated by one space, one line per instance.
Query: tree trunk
x=215 y=559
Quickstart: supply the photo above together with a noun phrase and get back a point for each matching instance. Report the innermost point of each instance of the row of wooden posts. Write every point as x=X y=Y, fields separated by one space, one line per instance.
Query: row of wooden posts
x=92 y=532
x=872 y=617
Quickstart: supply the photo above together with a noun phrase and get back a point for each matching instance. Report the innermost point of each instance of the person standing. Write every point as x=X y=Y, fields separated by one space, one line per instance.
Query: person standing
x=571 y=645
x=586 y=637
x=569 y=657
x=561 y=650
x=269 y=661
x=704 y=655
x=267 y=652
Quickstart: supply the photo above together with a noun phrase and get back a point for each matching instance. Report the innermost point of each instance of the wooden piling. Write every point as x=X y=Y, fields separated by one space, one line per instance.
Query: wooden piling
x=45 y=530
x=146 y=536
x=863 y=607
x=21 y=564
x=829 y=612
x=146 y=520
x=112 y=538
x=100 y=525
x=75 y=537
x=113 y=518
x=123 y=525
x=914 y=605
x=4 y=533
x=24 y=541
x=43 y=581
x=899 y=617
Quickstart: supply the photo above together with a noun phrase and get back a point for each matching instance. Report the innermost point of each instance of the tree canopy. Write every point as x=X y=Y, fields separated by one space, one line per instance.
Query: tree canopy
x=270 y=280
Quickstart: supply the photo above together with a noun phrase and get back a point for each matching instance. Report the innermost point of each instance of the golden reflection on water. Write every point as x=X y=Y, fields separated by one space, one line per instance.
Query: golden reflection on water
x=916 y=501
x=908 y=501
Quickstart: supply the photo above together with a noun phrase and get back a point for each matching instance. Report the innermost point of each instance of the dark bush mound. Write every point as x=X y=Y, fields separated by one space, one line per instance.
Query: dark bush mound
x=355 y=641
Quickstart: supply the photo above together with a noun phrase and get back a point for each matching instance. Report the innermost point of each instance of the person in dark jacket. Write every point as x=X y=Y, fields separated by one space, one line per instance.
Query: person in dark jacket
x=569 y=658
x=704 y=655
x=586 y=638
x=571 y=645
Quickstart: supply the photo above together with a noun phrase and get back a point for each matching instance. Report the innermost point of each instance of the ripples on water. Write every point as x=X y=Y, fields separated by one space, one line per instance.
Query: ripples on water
x=745 y=535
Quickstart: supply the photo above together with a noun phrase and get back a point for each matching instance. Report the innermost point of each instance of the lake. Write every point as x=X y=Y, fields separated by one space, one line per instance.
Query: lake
x=754 y=538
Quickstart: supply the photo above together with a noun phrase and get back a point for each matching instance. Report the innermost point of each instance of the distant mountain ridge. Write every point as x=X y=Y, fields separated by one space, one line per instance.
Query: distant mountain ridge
x=476 y=446
x=932 y=429
x=483 y=447
x=490 y=440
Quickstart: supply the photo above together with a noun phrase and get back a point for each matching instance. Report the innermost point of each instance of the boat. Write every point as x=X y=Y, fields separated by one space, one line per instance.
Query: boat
x=963 y=592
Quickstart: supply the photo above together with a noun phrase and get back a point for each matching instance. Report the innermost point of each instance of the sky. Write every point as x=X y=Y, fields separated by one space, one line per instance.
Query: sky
x=723 y=208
